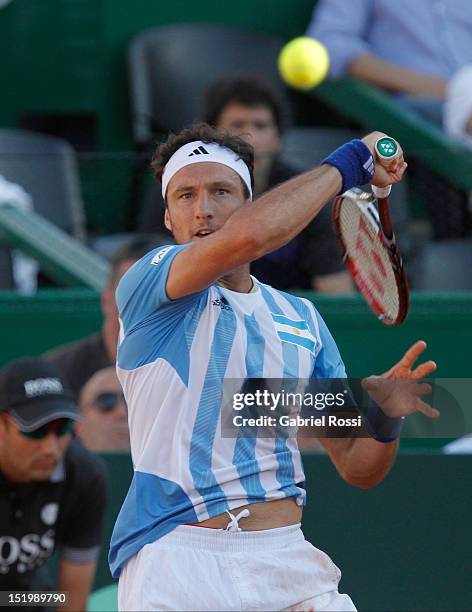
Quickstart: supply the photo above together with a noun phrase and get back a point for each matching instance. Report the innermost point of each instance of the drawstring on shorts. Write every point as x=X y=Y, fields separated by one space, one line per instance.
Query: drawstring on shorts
x=233 y=525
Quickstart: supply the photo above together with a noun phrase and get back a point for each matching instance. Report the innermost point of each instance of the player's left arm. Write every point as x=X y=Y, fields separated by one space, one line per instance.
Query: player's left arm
x=355 y=463
x=76 y=579
x=364 y=462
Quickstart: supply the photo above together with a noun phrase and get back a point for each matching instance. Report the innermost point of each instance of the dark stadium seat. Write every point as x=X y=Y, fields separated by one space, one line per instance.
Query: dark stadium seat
x=171 y=66
x=444 y=265
x=306 y=147
x=46 y=168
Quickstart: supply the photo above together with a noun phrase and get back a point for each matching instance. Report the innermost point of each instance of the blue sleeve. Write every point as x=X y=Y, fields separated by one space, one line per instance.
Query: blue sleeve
x=328 y=362
x=342 y=26
x=142 y=290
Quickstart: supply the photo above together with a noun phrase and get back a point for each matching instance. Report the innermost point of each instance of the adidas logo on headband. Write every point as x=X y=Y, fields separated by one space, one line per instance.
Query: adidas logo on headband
x=199 y=151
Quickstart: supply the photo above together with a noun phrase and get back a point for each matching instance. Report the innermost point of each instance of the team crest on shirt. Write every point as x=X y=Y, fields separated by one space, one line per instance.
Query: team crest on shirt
x=295 y=331
x=159 y=255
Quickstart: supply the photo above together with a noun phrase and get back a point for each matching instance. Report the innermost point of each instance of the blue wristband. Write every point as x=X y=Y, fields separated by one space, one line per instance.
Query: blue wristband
x=382 y=427
x=355 y=163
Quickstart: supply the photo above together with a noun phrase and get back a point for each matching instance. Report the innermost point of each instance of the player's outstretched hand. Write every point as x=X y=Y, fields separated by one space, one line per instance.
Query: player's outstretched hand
x=398 y=392
x=387 y=171
x=404 y=368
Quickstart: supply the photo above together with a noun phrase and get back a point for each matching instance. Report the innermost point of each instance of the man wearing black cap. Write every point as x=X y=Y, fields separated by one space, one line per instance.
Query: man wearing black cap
x=52 y=491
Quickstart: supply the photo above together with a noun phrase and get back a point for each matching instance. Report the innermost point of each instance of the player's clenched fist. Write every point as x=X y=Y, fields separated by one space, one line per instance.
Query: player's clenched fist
x=390 y=164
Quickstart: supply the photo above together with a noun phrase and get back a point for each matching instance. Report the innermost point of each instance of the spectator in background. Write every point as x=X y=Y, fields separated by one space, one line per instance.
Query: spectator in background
x=104 y=425
x=79 y=360
x=409 y=48
x=247 y=107
x=52 y=490
x=458 y=106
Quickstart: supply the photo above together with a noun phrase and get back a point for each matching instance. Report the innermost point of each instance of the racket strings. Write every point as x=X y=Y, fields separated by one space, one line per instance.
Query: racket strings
x=369 y=261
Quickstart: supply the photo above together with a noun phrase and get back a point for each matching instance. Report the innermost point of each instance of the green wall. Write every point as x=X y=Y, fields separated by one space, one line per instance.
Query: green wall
x=30 y=326
x=33 y=324
x=404 y=545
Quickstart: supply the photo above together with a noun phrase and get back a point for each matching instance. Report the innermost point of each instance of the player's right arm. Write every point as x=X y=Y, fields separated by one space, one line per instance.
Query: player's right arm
x=253 y=230
x=265 y=225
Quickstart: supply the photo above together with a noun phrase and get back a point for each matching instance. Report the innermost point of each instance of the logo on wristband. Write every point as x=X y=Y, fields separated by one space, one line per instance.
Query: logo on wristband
x=386 y=147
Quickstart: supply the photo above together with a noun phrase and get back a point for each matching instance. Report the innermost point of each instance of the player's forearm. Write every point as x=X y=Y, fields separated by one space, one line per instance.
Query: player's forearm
x=279 y=215
x=373 y=69
x=367 y=461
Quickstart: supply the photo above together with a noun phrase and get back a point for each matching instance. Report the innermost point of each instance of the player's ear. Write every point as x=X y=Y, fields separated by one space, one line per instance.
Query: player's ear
x=167 y=222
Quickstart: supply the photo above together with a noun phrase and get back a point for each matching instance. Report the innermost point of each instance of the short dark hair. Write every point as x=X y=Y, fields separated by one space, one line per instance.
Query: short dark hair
x=244 y=90
x=208 y=134
x=133 y=250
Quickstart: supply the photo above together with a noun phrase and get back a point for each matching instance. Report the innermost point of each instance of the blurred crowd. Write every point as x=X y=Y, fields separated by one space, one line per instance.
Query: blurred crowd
x=418 y=53
x=52 y=408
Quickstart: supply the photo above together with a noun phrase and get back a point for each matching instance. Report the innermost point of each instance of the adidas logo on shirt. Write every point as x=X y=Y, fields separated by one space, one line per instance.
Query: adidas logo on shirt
x=222 y=303
x=199 y=151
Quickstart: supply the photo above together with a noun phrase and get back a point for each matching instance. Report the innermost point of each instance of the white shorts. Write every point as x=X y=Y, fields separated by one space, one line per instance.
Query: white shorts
x=195 y=568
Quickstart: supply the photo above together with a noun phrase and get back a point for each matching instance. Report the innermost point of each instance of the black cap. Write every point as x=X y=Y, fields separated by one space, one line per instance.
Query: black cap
x=34 y=392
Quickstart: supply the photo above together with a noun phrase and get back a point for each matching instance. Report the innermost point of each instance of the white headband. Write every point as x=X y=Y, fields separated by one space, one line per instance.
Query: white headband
x=198 y=151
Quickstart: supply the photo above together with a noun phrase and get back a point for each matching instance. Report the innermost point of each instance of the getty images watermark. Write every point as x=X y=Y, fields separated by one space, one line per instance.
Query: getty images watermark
x=277 y=403
x=336 y=408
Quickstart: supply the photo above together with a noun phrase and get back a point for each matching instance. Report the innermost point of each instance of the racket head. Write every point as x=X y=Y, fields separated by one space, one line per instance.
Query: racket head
x=373 y=260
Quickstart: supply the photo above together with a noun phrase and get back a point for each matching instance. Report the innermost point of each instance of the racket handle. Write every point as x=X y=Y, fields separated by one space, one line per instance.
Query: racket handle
x=386 y=148
x=381 y=192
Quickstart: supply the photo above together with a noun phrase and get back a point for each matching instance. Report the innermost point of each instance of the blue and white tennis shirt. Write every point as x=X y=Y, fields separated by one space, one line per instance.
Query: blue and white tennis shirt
x=172 y=359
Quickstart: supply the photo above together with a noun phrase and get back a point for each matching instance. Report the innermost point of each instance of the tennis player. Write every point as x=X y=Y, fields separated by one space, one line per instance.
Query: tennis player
x=212 y=523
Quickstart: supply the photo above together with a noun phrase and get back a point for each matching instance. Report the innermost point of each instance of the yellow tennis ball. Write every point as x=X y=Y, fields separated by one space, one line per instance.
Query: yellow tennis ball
x=303 y=62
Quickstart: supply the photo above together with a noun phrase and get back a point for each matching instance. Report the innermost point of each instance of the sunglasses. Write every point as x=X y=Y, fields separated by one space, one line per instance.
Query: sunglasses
x=59 y=427
x=108 y=401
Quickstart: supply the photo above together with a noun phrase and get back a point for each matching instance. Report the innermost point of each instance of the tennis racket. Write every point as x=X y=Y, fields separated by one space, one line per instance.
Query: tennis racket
x=370 y=252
